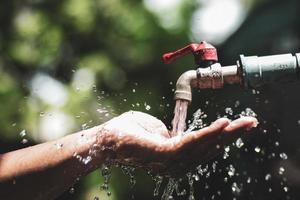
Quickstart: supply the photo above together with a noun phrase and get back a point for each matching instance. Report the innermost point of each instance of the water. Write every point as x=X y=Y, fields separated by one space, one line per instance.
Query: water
x=239 y=143
x=168 y=191
x=191 y=182
x=234 y=179
x=197 y=122
x=106 y=174
x=129 y=171
x=178 y=122
x=158 y=180
x=283 y=156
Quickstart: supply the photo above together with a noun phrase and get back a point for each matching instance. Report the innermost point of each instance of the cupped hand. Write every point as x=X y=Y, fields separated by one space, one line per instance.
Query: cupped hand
x=141 y=140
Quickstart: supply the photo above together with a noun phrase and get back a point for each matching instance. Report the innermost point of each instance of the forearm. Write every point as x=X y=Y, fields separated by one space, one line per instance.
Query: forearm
x=46 y=170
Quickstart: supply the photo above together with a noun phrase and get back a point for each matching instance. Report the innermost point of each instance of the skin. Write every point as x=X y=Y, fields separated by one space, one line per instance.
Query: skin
x=133 y=138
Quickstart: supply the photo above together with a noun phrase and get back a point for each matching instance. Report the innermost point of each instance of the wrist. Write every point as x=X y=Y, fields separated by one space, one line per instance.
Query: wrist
x=86 y=150
x=99 y=148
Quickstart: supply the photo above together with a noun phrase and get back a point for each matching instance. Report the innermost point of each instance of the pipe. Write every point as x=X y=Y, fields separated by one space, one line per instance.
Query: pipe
x=213 y=76
x=257 y=71
x=184 y=85
x=250 y=72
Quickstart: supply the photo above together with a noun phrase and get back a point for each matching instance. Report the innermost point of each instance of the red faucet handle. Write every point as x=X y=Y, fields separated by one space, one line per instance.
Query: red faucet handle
x=202 y=52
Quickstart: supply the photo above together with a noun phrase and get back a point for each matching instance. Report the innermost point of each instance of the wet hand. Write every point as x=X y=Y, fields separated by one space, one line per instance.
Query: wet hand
x=141 y=140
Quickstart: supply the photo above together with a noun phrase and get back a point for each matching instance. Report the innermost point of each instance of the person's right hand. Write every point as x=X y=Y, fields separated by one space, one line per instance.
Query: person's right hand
x=140 y=140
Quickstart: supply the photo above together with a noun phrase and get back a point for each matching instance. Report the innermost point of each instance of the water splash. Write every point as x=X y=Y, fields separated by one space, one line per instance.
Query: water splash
x=169 y=189
x=178 y=192
x=158 y=180
x=239 y=143
x=191 y=182
x=236 y=189
x=129 y=171
x=197 y=122
x=106 y=174
x=283 y=156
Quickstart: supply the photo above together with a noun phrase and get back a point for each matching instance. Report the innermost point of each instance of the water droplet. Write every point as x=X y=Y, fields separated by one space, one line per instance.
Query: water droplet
x=229 y=111
x=268 y=177
x=87 y=160
x=231 y=171
x=58 y=145
x=42 y=114
x=72 y=190
x=133 y=90
x=257 y=149
x=225 y=155
x=24 y=141
x=286 y=189
x=237 y=104
x=147 y=107
x=264 y=131
x=14 y=124
x=249 y=180
x=236 y=190
x=197 y=122
x=283 y=156
x=227 y=149
x=22 y=133
x=96 y=198
x=239 y=143
x=281 y=170
x=196 y=177
x=248 y=112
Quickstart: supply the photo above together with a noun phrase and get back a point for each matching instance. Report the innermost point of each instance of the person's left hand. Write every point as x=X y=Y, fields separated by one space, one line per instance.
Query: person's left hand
x=141 y=140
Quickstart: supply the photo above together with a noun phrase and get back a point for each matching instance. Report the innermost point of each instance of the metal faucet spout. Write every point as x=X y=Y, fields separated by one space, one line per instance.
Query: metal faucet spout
x=184 y=85
x=214 y=76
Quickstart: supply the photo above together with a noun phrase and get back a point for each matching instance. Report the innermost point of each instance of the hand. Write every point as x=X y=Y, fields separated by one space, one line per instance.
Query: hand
x=141 y=140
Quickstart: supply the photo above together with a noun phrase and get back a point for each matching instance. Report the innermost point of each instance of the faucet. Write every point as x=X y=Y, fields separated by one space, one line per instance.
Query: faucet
x=249 y=71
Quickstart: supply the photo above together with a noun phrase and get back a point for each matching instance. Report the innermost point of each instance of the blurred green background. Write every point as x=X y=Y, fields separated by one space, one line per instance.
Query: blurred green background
x=66 y=65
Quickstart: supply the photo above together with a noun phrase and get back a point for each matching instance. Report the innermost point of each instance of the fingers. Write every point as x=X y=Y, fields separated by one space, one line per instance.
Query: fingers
x=199 y=146
x=219 y=127
x=216 y=127
x=243 y=123
x=194 y=136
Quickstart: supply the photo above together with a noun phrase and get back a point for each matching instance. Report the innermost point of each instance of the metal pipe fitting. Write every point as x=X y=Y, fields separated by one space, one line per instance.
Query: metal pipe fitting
x=184 y=85
x=257 y=71
x=214 y=77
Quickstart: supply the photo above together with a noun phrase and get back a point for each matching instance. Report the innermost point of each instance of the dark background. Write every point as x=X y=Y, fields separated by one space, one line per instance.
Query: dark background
x=61 y=60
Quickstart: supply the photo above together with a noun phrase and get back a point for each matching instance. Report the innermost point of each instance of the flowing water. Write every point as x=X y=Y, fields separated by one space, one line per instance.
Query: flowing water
x=178 y=122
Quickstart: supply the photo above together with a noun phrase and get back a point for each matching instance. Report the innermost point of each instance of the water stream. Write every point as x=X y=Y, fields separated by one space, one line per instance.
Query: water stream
x=178 y=122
